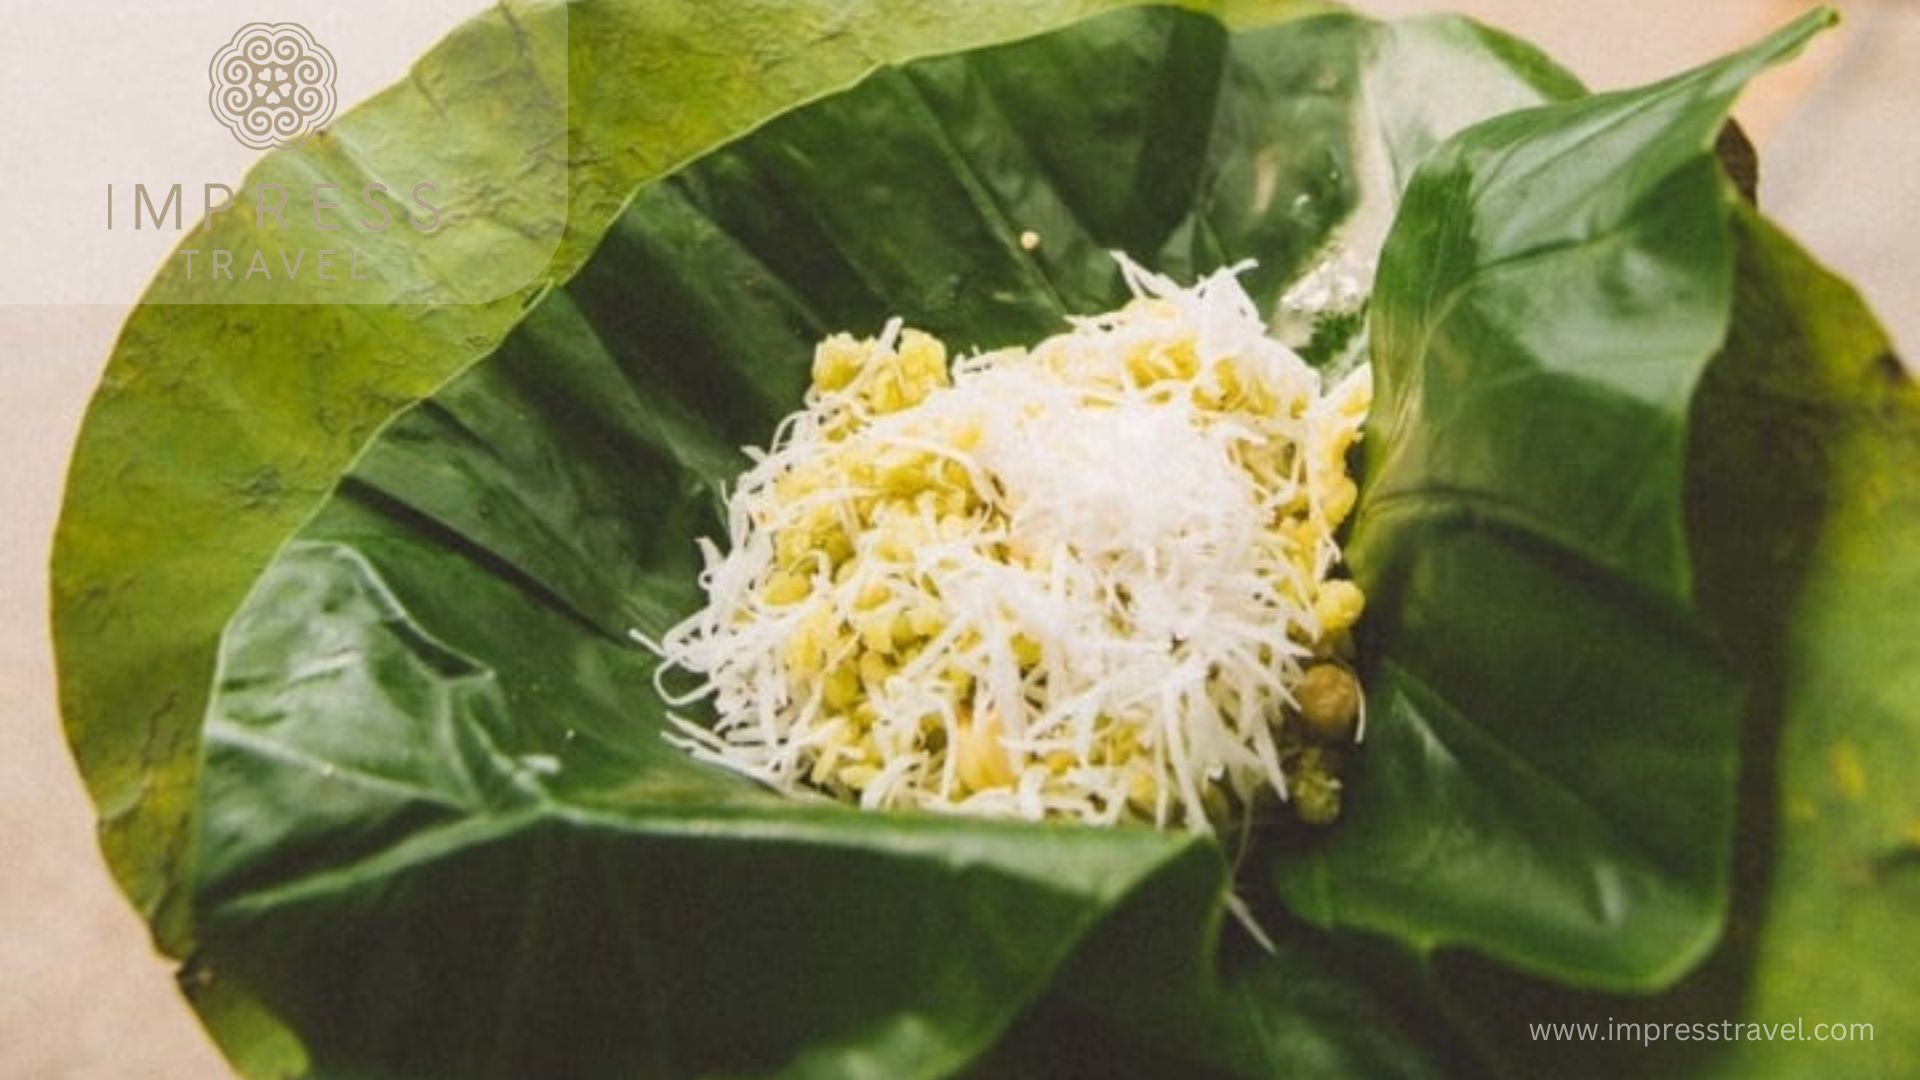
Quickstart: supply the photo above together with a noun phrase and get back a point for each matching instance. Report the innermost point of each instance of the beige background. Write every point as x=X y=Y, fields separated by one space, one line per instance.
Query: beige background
x=84 y=997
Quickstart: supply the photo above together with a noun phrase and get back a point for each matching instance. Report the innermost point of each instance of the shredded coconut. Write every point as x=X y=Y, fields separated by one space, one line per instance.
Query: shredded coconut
x=1084 y=580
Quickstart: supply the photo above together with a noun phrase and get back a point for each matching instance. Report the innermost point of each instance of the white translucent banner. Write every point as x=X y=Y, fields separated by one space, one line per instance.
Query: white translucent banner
x=300 y=151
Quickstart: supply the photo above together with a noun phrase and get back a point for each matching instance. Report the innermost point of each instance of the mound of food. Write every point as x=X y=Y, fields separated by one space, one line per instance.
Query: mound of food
x=1091 y=579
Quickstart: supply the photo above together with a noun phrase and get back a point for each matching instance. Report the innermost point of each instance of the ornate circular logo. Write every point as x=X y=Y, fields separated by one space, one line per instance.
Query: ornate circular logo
x=272 y=85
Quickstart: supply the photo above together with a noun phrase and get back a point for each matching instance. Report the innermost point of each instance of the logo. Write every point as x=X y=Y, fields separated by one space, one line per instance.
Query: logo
x=272 y=85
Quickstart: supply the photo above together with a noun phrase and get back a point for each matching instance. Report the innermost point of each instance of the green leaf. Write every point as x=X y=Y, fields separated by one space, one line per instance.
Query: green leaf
x=1806 y=488
x=1542 y=692
x=503 y=870
x=440 y=833
x=1154 y=994
x=220 y=425
x=1803 y=507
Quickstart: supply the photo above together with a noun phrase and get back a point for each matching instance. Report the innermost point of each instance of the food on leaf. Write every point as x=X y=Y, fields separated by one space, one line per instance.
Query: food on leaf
x=1091 y=579
x=343 y=598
